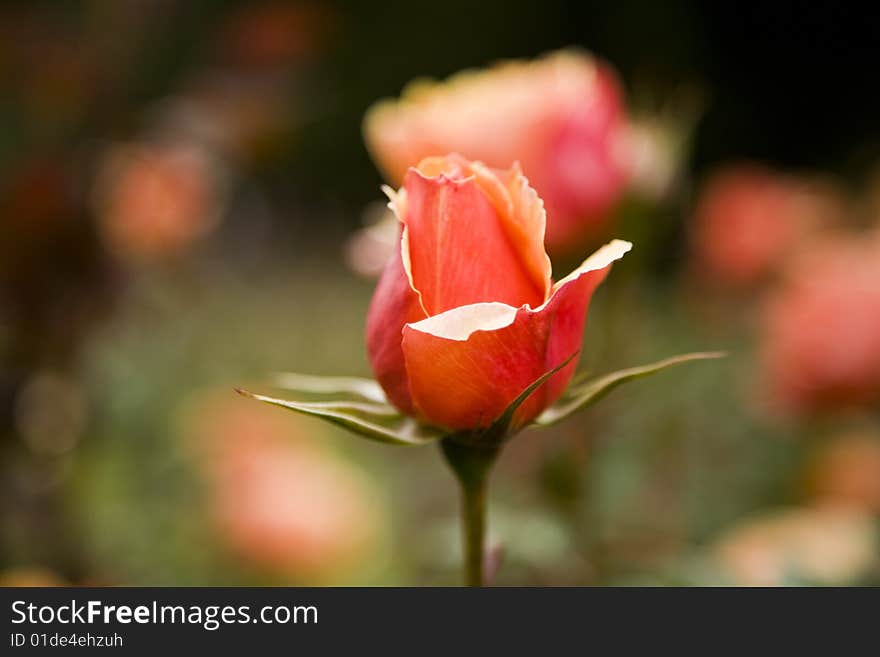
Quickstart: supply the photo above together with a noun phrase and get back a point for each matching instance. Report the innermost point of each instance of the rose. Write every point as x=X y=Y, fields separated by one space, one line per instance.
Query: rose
x=819 y=329
x=561 y=116
x=466 y=316
x=748 y=218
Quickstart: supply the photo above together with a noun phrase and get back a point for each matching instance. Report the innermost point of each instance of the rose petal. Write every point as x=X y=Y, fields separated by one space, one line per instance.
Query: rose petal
x=466 y=365
x=457 y=246
x=394 y=304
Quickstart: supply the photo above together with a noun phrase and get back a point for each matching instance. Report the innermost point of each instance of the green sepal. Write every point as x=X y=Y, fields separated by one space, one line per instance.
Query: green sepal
x=375 y=421
x=329 y=385
x=589 y=392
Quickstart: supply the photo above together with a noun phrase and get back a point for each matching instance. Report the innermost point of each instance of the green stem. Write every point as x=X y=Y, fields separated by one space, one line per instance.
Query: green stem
x=471 y=466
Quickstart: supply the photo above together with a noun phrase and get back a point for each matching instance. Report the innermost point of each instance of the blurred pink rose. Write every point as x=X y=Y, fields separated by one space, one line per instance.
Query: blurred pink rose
x=748 y=218
x=820 y=330
x=278 y=498
x=561 y=116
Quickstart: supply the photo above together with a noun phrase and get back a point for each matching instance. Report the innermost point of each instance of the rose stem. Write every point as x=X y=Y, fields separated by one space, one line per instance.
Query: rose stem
x=471 y=465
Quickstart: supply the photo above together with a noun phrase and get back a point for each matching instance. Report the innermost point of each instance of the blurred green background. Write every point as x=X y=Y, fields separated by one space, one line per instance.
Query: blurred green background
x=125 y=457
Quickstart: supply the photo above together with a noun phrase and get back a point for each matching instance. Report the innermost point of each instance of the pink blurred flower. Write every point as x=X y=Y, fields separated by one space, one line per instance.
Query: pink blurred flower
x=748 y=218
x=820 y=330
x=278 y=498
x=155 y=200
x=561 y=116
x=828 y=546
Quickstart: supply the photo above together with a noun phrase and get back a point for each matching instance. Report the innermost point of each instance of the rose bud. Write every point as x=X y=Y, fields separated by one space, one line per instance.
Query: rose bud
x=820 y=330
x=561 y=116
x=465 y=316
x=747 y=218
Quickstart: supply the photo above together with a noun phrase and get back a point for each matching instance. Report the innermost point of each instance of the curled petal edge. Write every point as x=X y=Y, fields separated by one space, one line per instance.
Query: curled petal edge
x=460 y=323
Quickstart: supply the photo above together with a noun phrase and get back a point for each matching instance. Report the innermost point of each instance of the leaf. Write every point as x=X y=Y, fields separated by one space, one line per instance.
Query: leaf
x=378 y=422
x=589 y=392
x=499 y=430
x=307 y=383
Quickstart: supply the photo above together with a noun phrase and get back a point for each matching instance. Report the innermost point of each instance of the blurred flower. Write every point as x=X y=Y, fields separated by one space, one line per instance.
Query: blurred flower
x=369 y=249
x=660 y=143
x=827 y=546
x=466 y=316
x=242 y=117
x=29 y=578
x=561 y=117
x=748 y=218
x=272 y=33
x=156 y=200
x=846 y=471
x=279 y=498
x=820 y=330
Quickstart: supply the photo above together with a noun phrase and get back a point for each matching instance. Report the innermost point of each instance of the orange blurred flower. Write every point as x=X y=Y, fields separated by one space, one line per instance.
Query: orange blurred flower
x=466 y=316
x=748 y=219
x=846 y=471
x=561 y=117
x=827 y=546
x=272 y=33
x=156 y=200
x=820 y=330
x=279 y=498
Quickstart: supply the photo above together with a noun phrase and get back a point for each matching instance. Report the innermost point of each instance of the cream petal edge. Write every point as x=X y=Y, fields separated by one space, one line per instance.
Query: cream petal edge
x=604 y=256
x=396 y=203
x=460 y=323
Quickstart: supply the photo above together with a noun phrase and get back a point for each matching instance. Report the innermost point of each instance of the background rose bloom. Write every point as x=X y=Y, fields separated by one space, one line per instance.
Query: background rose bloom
x=155 y=200
x=846 y=471
x=747 y=218
x=277 y=497
x=561 y=117
x=466 y=316
x=827 y=546
x=820 y=331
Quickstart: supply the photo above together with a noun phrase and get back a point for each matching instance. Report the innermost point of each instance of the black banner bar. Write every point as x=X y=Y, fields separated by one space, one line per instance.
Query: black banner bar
x=408 y=621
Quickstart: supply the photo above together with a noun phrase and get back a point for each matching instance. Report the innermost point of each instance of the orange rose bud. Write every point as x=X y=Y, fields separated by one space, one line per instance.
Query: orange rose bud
x=466 y=315
x=561 y=116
